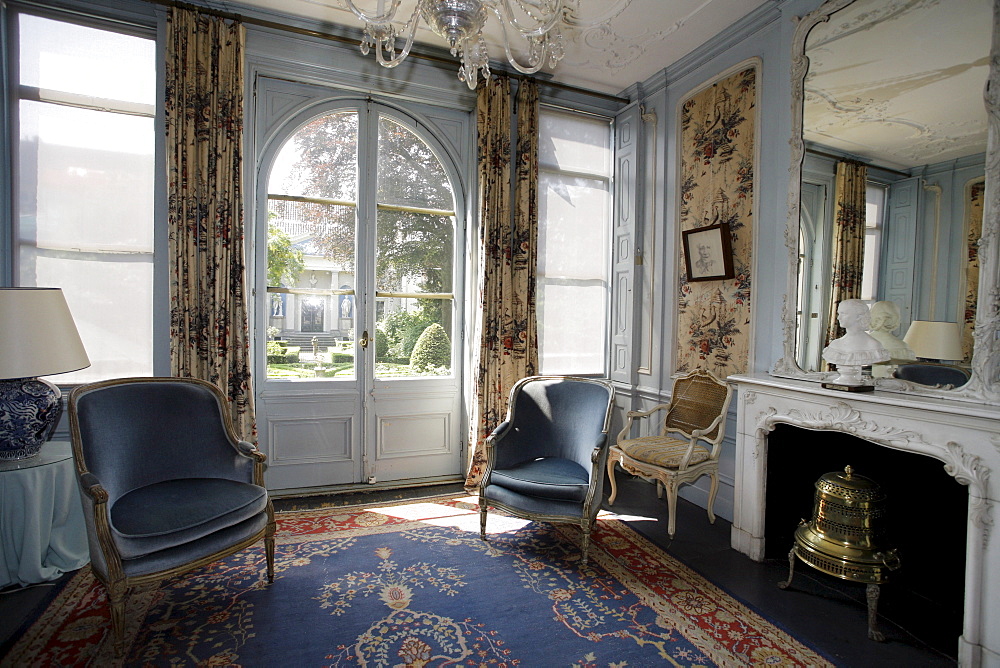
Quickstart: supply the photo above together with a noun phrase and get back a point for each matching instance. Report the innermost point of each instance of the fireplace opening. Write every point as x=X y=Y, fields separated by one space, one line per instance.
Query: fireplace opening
x=926 y=518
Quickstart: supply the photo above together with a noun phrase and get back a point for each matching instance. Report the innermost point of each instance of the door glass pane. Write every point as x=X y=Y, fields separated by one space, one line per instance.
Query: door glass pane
x=312 y=219
x=414 y=253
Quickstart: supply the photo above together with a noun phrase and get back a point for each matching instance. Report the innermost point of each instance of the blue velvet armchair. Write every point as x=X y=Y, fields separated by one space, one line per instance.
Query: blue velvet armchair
x=166 y=485
x=546 y=461
x=934 y=374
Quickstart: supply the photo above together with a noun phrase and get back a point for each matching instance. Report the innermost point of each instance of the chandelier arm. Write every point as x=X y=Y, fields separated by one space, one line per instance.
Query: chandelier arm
x=524 y=69
x=378 y=19
x=537 y=31
x=475 y=59
x=411 y=30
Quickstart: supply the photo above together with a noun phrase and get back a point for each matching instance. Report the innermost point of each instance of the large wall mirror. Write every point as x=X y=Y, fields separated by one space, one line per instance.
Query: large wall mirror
x=897 y=86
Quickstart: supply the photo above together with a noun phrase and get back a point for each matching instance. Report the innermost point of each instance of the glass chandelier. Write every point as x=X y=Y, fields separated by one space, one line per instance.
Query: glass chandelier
x=461 y=23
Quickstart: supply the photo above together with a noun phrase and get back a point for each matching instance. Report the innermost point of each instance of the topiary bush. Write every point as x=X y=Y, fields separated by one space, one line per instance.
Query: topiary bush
x=276 y=347
x=381 y=345
x=289 y=356
x=402 y=329
x=432 y=350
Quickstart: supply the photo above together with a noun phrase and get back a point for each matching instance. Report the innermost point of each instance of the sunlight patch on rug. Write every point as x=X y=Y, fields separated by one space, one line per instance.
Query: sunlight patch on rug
x=414 y=585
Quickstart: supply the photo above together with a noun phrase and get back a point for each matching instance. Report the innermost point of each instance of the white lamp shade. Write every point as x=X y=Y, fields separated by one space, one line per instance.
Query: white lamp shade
x=37 y=334
x=935 y=340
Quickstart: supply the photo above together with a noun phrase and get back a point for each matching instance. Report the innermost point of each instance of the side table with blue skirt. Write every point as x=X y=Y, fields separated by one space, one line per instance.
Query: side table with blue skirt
x=42 y=530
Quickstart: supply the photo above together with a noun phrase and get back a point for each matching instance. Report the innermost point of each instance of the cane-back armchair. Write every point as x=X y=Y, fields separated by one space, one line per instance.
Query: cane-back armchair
x=687 y=446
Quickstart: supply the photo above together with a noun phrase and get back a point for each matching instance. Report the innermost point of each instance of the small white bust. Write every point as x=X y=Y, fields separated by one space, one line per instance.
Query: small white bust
x=885 y=320
x=856 y=348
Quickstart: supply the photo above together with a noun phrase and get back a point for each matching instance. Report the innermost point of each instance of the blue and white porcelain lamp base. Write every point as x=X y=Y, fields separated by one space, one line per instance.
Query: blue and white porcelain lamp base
x=39 y=338
x=29 y=412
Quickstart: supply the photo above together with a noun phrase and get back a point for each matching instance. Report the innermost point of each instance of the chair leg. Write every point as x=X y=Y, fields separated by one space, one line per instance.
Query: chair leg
x=269 y=542
x=269 y=551
x=117 y=596
x=714 y=475
x=671 y=491
x=482 y=518
x=585 y=543
x=614 y=485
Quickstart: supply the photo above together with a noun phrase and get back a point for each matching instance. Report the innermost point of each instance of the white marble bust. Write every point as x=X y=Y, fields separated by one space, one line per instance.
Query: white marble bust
x=885 y=320
x=856 y=348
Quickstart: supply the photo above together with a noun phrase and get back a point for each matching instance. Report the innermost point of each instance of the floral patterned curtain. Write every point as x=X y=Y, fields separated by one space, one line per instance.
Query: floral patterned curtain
x=848 y=240
x=523 y=326
x=974 y=230
x=209 y=336
x=508 y=258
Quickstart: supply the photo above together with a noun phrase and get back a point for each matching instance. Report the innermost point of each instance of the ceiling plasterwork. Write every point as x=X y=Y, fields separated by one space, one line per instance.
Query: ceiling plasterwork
x=600 y=41
x=609 y=44
x=888 y=84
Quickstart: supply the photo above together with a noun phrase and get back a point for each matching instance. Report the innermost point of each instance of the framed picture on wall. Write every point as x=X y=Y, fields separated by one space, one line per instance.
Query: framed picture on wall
x=708 y=253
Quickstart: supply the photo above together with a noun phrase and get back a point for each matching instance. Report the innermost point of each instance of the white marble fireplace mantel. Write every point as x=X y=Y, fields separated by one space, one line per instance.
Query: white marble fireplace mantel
x=964 y=437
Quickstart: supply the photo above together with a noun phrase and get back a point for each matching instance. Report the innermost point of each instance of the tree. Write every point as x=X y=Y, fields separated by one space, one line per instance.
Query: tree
x=284 y=261
x=403 y=328
x=433 y=349
x=411 y=247
x=328 y=169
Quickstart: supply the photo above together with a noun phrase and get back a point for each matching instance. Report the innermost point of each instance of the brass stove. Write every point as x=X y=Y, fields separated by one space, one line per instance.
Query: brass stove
x=846 y=537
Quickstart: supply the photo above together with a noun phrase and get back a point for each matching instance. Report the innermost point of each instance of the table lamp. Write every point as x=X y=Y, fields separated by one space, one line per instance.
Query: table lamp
x=37 y=338
x=934 y=341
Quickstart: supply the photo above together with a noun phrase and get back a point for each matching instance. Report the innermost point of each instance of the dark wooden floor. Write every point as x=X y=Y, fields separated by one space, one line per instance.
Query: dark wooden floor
x=824 y=613
x=828 y=614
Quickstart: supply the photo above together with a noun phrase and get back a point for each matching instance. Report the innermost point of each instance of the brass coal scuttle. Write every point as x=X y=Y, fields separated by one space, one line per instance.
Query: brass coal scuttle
x=846 y=536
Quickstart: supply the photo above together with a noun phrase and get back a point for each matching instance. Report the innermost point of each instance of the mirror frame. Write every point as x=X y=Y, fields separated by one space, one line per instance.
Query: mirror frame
x=983 y=386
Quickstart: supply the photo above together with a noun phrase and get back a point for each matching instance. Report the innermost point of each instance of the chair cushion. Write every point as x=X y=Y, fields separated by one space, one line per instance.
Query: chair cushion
x=663 y=451
x=174 y=512
x=545 y=478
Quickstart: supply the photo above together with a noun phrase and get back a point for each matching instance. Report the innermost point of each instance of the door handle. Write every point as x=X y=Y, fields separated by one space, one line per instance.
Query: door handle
x=364 y=339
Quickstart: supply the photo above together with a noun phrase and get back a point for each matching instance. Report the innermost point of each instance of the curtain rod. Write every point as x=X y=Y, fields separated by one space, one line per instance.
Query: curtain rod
x=834 y=156
x=274 y=25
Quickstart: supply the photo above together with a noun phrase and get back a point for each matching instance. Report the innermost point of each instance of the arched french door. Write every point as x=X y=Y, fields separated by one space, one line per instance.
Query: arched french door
x=359 y=379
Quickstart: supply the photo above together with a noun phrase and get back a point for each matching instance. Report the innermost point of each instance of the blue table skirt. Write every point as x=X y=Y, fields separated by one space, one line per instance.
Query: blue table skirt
x=42 y=532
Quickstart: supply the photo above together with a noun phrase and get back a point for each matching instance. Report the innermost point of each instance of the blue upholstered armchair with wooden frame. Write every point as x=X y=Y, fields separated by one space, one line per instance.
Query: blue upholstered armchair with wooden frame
x=685 y=447
x=166 y=484
x=546 y=461
x=933 y=374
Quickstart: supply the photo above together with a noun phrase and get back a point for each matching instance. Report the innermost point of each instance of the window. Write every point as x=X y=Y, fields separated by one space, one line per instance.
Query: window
x=320 y=260
x=84 y=171
x=874 y=216
x=574 y=213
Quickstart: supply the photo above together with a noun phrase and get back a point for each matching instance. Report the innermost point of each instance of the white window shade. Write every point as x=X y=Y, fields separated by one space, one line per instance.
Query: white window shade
x=574 y=143
x=85 y=174
x=573 y=238
x=71 y=58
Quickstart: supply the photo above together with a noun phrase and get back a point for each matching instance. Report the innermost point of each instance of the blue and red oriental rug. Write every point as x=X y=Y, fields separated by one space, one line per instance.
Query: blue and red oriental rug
x=413 y=585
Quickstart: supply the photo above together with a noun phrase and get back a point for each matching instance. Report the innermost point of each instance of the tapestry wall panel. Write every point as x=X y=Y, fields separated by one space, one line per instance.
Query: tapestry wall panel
x=718 y=155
